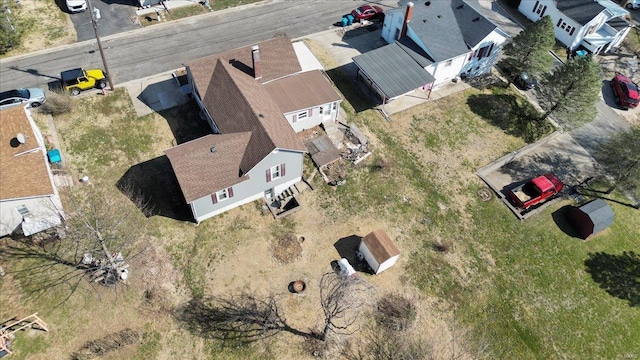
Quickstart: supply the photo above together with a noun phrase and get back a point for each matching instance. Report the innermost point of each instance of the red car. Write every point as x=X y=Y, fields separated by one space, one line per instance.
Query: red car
x=625 y=91
x=367 y=12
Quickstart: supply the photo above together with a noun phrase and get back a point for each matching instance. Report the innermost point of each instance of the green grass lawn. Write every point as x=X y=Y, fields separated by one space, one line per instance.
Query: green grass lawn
x=519 y=290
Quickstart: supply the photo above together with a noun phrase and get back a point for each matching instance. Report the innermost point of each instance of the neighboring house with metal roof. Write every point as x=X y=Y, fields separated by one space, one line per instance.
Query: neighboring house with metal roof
x=255 y=99
x=597 y=26
x=29 y=200
x=430 y=43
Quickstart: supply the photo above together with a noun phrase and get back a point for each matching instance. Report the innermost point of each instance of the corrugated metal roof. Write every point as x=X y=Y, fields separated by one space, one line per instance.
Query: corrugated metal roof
x=393 y=70
x=301 y=91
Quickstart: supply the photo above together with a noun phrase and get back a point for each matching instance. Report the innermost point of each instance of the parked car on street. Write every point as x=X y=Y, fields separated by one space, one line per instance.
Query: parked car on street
x=76 y=6
x=32 y=96
x=367 y=12
x=625 y=92
x=525 y=81
x=76 y=80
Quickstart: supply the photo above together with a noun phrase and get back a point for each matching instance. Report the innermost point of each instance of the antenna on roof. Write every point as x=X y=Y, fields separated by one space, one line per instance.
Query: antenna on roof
x=21 y=139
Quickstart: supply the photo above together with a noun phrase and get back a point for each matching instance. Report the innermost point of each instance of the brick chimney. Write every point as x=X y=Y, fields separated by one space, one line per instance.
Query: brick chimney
x=407 y=19
x=255 y=56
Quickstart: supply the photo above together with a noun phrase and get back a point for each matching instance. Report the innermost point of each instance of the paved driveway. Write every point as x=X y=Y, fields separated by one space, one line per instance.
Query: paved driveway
x=115 y=17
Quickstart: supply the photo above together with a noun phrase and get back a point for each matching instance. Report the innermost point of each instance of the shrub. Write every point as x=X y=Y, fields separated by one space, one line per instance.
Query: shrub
x=57 y=104
x=396 y=312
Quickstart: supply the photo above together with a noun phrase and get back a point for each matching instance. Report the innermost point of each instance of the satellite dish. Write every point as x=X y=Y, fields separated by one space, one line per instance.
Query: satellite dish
x=20 y=138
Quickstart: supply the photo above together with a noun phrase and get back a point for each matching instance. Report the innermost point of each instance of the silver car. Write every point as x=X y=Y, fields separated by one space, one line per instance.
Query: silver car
x=34 y=97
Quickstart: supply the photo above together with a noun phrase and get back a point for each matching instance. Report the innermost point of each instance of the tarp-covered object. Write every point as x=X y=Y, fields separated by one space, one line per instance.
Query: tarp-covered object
x=591 y=218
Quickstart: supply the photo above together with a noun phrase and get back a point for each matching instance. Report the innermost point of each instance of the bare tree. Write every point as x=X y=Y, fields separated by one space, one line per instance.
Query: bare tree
x=342 y=300
x=382 y=343
x=100 y=231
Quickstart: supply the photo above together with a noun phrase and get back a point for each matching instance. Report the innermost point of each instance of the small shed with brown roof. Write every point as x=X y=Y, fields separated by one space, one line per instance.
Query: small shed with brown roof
x=379 y=251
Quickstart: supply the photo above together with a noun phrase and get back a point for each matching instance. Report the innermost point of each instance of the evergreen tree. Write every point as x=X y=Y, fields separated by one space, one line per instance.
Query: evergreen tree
x=569 y=92
x=529 y=50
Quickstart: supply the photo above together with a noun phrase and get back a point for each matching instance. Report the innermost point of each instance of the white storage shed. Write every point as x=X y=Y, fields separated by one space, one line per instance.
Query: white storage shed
x=378 y=250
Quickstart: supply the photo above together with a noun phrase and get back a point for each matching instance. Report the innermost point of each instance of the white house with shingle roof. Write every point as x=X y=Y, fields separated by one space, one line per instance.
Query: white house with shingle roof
x=255 y=99
x=29 y=200
x=430 y=44
x=597 y=26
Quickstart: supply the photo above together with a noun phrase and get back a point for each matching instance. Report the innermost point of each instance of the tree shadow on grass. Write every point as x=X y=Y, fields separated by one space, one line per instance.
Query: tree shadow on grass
x=236 y=319
x=154 y=184
x=619 y=275
x=514 y=115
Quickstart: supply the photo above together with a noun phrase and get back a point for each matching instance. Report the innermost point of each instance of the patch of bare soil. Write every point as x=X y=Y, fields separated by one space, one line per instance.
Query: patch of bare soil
x=44 y=24
x=109 y=343
x=286 y=248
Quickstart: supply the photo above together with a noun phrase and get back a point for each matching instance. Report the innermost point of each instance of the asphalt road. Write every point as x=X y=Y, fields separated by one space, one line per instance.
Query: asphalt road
x=144 y=52
x=115 y=17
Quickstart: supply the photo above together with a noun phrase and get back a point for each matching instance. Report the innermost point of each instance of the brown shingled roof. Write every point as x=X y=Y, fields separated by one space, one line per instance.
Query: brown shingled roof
x=23 y=175
x=380 y=245
x=302 y=91
x=277 y=59
x=238 y=103
x=201 y=171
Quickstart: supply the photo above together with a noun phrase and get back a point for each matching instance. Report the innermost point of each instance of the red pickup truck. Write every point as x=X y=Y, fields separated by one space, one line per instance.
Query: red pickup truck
x=535 y=191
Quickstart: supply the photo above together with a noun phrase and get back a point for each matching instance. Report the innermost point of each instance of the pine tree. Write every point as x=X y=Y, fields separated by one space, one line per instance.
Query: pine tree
x=570 y=92
x=529 y=50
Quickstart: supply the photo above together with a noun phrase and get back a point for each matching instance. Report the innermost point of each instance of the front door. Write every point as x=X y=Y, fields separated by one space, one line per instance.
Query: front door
x=268 y=194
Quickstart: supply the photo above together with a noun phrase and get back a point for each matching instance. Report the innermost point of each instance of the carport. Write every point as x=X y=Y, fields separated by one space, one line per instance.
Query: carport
x=391 y=72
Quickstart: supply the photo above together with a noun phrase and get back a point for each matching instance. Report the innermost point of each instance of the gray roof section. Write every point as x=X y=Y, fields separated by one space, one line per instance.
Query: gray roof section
x=415 y=51
x=600 y=214
x=448 y=28
x=619 y=23
x=393 y=70
x=581 y=11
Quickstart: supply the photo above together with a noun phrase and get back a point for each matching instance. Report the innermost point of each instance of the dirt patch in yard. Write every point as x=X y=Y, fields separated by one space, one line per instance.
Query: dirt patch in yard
x=44 y=25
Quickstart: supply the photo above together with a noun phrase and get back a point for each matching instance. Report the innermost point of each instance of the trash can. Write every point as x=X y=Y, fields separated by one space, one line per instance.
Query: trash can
x=344 y=21
x=581 y=53
x=54 y=156
x=350 y=19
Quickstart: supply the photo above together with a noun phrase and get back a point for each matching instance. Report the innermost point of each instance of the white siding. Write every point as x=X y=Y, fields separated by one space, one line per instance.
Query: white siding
x=41 y=209
x=476 y=66
x=254 y=188
x=318 y=115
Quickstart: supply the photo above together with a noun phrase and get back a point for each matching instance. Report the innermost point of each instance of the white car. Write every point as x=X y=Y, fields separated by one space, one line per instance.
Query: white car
x=76 y=6
x=33 y=97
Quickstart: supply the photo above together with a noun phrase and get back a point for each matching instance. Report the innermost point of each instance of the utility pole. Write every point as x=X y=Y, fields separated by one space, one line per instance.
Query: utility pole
x=94 y=16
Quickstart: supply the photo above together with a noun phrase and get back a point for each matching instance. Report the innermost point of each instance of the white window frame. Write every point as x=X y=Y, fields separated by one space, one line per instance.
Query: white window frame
x=23 y=211
x=222 y=195
x=302 y=115
x=276 y=172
